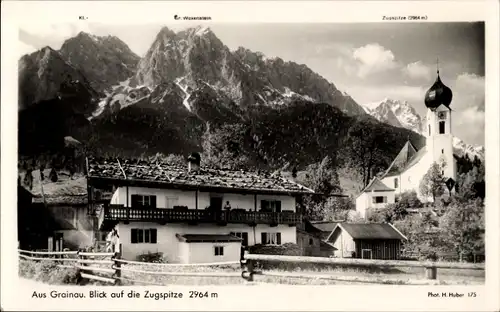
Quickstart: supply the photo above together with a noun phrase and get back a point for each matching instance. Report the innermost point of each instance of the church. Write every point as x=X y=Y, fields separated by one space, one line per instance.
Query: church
x=409 y=167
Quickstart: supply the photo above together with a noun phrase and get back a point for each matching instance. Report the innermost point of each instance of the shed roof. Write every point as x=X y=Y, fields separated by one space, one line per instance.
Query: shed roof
x=371 y=231
x=202 y=238
x=170 y=175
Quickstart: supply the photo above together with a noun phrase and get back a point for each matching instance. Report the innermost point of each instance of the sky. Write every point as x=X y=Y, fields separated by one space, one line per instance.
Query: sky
x=370 y=62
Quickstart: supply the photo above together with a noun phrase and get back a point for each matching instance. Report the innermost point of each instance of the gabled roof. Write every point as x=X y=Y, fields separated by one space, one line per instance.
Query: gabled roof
x=178 y=176
x=402 y=159
x=209 y=238
x=323 y=228
x=376 y=185
x=371 y=230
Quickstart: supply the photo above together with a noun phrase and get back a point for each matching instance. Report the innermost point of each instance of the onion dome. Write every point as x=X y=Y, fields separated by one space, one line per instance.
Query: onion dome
x=438 y=94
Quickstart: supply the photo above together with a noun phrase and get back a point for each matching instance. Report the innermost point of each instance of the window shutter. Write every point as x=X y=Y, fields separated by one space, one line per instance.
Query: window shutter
x=135 y=201
x=152 y=200
x=264 y=205
x=153 y=236
x=278 y=205
x=245 y=239
x=133 y=236
x=140 y=238
x=278 y=238
x=263 y=238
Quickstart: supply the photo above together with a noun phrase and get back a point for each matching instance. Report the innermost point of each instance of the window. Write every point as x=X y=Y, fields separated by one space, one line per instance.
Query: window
x=441 y=127
x=271 y=238
x=311 y=241
x=146 y=236
x=442 y=151
x=270 y=205
x=243 y=236
x=171 y=201
x=395 y=182
x=379 y=199
x=143 y=201
x=442 y=172
x=219 y=250
x=429 y=130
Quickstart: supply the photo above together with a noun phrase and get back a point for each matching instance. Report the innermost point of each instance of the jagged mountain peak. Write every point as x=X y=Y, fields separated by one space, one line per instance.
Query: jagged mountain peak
x=395 y=112
x=104 y=60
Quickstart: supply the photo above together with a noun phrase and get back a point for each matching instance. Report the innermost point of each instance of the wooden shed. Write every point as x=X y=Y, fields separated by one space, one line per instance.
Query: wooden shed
x=367 y=241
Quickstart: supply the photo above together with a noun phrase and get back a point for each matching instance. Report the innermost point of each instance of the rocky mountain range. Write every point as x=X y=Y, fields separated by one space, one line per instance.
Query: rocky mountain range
x=401 y=114
x=98 y=91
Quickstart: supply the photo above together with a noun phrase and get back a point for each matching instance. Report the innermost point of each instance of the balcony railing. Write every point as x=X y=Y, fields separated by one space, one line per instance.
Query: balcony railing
x=120 y=213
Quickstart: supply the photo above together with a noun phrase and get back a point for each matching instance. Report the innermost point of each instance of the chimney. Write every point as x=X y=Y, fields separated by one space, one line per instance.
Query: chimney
x=194 y=162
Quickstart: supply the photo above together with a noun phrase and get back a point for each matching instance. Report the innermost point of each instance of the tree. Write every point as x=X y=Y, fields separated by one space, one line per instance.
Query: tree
x=367 y=148
x=432 y=184
x=472 y=183
x=464 y=225
x=225 y=147
x=324 y=180
x=409 y=199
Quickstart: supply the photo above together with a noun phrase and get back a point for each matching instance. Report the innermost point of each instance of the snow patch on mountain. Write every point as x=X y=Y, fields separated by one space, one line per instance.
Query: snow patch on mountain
x=396 y=113
x=461 y=149
x=187 y=95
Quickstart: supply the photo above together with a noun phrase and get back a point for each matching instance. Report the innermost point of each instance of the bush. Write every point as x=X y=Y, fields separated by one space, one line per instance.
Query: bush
x=288 y=249
x=47 y=272
x=156 y=257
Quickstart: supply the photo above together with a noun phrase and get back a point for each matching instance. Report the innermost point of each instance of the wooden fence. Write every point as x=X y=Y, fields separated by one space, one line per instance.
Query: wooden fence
x=430 y=268
x=108 y=267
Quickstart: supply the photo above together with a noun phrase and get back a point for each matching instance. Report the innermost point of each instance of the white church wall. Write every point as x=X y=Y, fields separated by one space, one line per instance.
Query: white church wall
x=440 y=145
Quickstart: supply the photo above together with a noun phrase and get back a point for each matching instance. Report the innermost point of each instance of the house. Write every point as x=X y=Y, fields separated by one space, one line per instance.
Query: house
x=311 y=238
x=409 y=167
x=31 y=223
x=367 y=241
x=58 y=213
x=190 y=213
x=375 y=195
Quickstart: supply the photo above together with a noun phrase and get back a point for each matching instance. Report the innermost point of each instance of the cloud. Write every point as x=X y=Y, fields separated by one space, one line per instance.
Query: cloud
x=469 y=125
x=373 y=58
x=417 y=70
x=24 y=48
x=53 y=35
x=468 y=104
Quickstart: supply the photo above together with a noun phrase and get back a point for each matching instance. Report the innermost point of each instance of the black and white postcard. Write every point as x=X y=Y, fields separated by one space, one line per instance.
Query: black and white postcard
x=250 y=156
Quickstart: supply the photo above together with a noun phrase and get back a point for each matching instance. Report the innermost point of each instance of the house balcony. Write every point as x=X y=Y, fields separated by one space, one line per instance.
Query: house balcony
x=110 y=216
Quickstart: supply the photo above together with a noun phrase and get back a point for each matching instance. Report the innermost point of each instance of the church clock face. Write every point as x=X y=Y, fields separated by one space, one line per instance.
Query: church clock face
x=442 y=115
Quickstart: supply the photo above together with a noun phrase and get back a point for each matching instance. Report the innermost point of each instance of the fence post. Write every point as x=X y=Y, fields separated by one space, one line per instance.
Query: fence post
x=248 y=269
x=117 y=265
x=431 y=273
x=78 y=271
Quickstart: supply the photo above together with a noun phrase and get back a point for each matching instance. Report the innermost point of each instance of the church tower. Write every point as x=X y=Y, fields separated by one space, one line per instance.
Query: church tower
x=439 y=138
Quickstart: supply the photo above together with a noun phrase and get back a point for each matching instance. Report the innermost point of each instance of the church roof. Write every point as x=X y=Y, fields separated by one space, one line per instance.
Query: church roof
x=407 y=165
x=376 y=185
x=438 y=94
x=402 y=159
